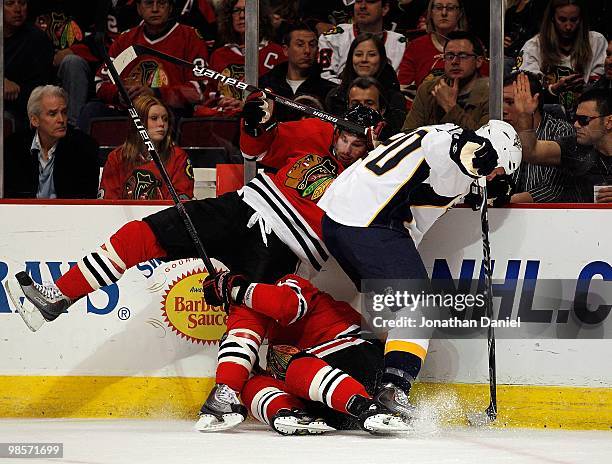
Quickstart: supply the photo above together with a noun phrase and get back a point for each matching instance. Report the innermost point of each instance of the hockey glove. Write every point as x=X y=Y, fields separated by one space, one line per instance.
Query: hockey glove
x=225 y=289
x=499 y=192
x=257 y=114
x=474 y=154
x=373 y=135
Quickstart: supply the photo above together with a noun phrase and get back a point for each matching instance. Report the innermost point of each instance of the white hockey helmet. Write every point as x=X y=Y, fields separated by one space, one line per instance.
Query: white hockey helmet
x=506 y=142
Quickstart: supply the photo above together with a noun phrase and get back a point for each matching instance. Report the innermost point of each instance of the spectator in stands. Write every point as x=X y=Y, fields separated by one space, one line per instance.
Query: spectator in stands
x=423 y=56
x=522 y=21
x=199 y=14
x=368 y=58
x=300 y=74
x=565 y=52
x=536 y=183
x=334 y=45
x=131 y=174
x=460 y=95
x=228 y=59
x=28 y=57
x=77 y=64
x=53 y=160
x=323 y=16
x=605 y=82
x=587 y=157
x=173 y=84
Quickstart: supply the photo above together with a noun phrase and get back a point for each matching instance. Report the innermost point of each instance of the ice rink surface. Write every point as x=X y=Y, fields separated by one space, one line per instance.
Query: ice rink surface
x=170 y=442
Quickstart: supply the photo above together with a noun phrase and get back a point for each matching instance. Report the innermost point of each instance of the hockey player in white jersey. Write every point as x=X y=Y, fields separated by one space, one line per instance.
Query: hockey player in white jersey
x=377 y=211
x=368 y=17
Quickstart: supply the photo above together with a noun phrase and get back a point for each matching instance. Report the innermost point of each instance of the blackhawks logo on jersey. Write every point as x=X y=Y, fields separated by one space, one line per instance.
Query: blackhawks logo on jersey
x=237 y=72
x=142 y=185
x=311 y=175
x=148 y=73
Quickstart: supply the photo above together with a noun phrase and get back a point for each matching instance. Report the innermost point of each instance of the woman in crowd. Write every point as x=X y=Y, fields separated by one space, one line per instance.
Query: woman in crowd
x=131 y=174
x=521 y=23
x=565 y=52
x=228 y=58
x=423 y=56
x=368 y=58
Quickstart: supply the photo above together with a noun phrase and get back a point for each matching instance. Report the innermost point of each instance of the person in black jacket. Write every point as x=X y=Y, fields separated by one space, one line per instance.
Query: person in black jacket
x=300 y=74
x=54 y=160
x=28 y=58
x=370 y=60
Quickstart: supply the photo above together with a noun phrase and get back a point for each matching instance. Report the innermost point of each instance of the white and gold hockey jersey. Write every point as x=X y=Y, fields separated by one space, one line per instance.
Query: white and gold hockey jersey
x=334 y=46
x=406 y=183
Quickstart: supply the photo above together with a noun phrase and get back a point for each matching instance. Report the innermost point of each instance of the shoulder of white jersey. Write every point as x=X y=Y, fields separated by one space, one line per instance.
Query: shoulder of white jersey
x=401 y=38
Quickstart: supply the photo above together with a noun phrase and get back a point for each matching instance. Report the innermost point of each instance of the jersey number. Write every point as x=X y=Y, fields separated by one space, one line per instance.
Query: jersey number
x=396 y=151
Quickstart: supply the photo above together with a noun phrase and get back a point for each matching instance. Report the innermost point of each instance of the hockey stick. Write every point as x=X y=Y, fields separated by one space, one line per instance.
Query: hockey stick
x=490 y=414
x=142 y=131
x=132 y=52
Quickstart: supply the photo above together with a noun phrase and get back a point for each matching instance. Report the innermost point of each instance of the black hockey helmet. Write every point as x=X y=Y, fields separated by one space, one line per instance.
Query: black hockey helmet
x=363 y=116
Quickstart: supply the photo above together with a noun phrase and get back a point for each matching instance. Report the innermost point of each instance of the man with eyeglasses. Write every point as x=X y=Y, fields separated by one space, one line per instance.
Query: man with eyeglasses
x=460 y=96
x=368 y=16
x=148 y=75
x=587 y=157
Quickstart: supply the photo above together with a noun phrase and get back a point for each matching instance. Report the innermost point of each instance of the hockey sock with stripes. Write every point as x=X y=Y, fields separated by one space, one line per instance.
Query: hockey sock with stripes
x=312 y=378
x=265 y=397
x=237 y=356
x=133 y=243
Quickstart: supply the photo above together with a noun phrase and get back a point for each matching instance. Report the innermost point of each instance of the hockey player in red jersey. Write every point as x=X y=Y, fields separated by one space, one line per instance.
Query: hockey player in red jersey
x=260 y=231
x=316 y=355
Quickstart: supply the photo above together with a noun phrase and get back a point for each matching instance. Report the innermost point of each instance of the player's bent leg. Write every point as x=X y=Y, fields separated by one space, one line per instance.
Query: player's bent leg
x=403 y=361
x=239 y=348
x=238 y=351
x=38 y=303
x=312 y=378
x=269 y=403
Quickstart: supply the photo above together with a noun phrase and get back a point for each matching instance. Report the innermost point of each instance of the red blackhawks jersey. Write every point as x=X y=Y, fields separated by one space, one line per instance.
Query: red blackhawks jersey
x=176 y=84
x=121 y=181
x=229 y=61
x=299 y=151
x=304 y=315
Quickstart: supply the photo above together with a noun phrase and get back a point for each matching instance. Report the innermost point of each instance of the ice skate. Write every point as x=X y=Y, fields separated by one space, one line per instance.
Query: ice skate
x=296 y=422
x=376 y=418
x=395 y=400
x=221 y=411
x=36 y=303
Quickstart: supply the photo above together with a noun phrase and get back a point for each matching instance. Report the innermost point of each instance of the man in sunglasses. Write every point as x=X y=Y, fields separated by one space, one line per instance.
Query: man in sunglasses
x=460 y=96
x=588 y=156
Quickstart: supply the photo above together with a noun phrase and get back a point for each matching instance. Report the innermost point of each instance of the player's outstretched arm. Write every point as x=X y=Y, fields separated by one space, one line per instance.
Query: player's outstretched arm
x=286 y=302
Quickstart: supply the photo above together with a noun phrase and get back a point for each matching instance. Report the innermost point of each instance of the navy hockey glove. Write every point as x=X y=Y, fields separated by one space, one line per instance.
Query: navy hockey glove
x=474 y=154
x=257 y=114
x=225 y=289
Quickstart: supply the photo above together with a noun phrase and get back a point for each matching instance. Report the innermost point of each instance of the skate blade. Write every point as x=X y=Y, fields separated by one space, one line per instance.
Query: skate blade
x=28 y=312
x=383 y=424
x=292 y=426
x=209 y=423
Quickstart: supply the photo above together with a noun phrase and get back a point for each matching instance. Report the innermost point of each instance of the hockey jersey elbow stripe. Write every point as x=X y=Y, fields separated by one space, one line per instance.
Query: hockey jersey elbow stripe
x=273 y=198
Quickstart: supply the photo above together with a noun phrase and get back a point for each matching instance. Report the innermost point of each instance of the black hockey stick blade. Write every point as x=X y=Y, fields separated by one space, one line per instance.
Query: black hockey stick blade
x=141 y=129
x=135 y=50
